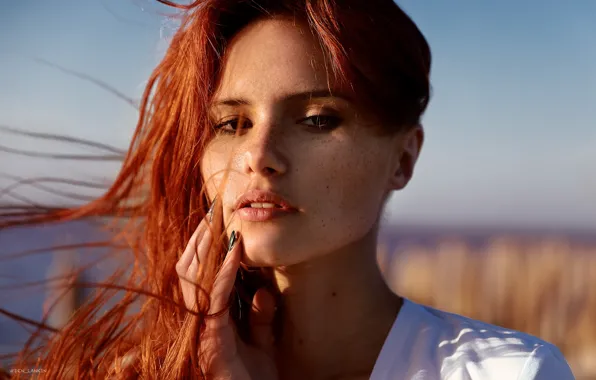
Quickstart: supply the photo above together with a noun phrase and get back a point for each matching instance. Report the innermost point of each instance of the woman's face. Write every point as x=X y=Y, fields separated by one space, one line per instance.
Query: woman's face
x=333 y=169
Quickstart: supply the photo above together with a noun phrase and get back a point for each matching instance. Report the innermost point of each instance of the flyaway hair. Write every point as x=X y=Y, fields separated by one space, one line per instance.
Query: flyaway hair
x=135 y=324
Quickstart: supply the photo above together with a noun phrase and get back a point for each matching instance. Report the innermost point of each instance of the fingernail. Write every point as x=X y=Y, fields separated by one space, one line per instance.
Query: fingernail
x=210 y=212
x=232 y=241
x=239 y=306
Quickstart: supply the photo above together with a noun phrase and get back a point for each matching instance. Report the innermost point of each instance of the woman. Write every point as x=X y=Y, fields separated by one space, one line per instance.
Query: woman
x=294 y=120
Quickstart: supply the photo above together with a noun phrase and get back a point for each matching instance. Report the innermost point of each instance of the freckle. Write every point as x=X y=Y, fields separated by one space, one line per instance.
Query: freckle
x=333 y=294
x=300 y=341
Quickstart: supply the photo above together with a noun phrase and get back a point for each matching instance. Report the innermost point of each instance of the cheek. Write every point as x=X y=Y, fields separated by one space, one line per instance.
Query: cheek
x=349 y=191
x=207 y=173
x=213 y=167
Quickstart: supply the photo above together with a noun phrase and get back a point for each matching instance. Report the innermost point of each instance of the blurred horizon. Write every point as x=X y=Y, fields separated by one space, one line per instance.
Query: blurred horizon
x=509 y=129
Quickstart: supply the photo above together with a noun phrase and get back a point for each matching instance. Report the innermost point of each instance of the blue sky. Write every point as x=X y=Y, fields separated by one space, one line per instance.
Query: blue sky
x=511 y=127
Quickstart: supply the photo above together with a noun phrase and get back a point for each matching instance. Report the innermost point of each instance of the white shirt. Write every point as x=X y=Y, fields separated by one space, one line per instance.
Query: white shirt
x=429 y=344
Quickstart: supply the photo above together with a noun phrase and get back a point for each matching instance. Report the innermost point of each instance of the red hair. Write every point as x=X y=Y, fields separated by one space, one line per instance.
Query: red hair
x=371 y=47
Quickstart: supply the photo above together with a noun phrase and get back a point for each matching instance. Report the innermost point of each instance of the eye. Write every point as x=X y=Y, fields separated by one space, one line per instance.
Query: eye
x=323 y=122
x=232 y=125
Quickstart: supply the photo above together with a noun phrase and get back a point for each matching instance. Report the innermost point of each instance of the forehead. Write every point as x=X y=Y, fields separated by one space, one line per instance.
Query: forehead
x=270 y=59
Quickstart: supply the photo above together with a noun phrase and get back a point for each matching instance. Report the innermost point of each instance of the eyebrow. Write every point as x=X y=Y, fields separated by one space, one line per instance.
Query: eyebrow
x=307 y=95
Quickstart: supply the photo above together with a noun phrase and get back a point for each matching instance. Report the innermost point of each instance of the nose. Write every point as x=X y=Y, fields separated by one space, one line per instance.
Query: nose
x=262 y=153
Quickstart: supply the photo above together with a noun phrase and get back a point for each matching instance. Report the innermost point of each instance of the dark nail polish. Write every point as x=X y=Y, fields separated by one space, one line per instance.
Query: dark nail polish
x=239 y=306
x=232 y=241
x=210 y=212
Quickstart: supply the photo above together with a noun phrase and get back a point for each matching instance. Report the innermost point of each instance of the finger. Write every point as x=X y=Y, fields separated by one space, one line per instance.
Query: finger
x=187 y=256
x=188 y=264
x=224 y=282
x=261 y=318
x=200 y=255
x=187 y=273
x=209 y=215
x=189 y=252
x=187 y=284
x=202 y=248
x=188 y=279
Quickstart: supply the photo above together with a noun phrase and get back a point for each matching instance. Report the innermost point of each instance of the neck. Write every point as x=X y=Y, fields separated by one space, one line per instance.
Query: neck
x=338 y=311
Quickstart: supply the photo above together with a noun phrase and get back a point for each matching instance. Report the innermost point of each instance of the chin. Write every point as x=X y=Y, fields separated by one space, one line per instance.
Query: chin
x=263 y=252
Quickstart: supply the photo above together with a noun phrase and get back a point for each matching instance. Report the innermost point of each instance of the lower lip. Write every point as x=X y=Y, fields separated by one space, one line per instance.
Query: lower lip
x=262 y=214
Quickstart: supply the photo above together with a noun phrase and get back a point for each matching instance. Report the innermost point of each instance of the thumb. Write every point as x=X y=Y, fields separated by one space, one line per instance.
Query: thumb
x=261 y=321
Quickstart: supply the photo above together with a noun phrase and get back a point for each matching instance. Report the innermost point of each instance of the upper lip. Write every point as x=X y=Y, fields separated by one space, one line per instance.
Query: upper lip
x=262 y=196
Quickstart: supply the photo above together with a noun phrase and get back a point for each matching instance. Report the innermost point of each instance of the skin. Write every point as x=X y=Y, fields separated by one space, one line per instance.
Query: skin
x=324 y=256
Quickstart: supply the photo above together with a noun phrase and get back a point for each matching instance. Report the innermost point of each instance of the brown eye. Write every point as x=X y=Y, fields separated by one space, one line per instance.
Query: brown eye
x=231 y=126
x=323 y=122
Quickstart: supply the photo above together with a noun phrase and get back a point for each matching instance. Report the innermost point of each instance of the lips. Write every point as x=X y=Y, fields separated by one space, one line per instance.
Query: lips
x=263 y=196
x=251 y=214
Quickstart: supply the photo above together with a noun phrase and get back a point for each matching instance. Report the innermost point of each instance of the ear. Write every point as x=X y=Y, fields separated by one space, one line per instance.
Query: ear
x=408 y=146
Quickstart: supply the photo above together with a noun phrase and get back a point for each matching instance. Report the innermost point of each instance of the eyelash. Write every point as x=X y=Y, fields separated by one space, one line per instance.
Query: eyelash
x=333 y=120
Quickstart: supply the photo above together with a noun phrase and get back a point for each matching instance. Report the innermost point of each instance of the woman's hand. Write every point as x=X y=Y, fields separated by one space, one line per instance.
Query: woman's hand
x=223 y=355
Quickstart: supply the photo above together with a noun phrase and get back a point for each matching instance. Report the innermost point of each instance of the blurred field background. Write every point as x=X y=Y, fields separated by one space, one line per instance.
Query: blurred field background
x=541 y=284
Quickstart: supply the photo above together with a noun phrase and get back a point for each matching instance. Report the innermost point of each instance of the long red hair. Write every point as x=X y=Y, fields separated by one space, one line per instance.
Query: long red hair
x=371 y=47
